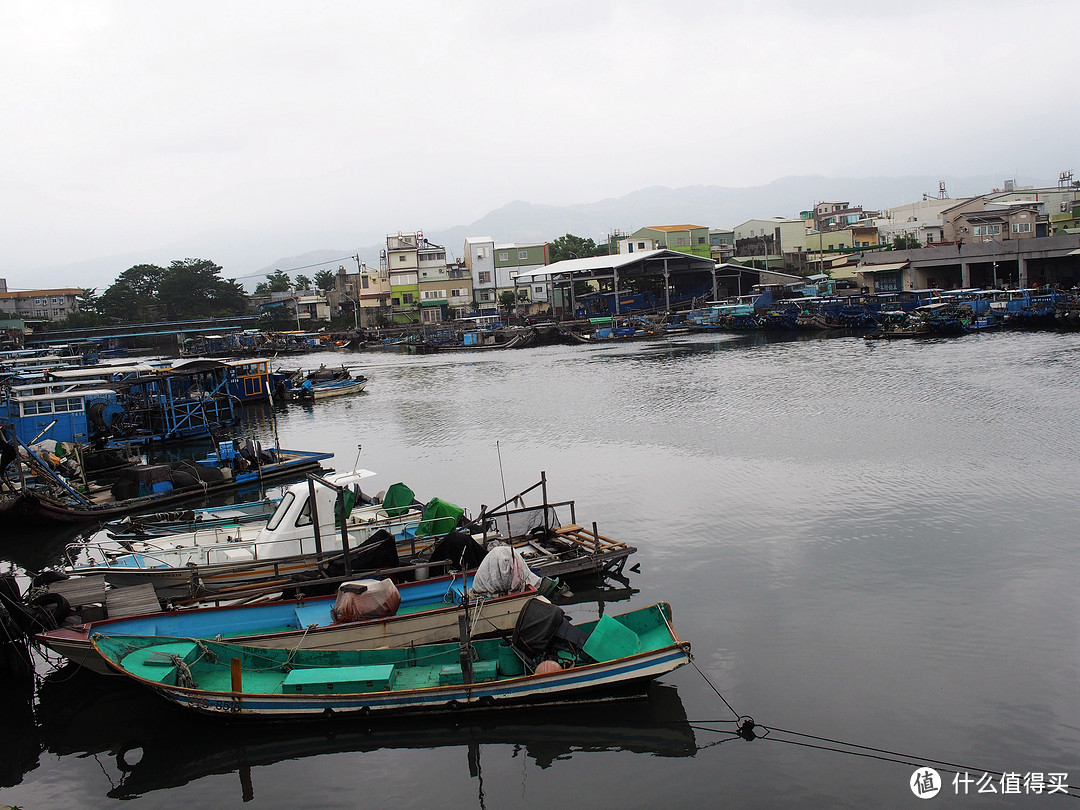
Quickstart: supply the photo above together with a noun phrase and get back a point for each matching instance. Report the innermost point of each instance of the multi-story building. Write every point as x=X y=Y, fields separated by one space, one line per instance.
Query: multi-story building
x=833 y=216
x=780 y=240
x=984 y=220
x=39 y=305
x=693 y=239
x=515 y=258
x=365 y=294
x=480 y=262
x=722 y=244
x=921 y=220
x=405 y=256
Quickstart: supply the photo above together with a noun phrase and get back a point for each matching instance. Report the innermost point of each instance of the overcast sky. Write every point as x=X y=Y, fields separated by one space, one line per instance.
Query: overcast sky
x=129 y=125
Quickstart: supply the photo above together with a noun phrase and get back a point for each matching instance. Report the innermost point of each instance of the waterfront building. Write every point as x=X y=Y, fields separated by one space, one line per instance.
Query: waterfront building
x=981 y=219
x=779 y=240
x=480 y=263
x=39 y=305
x=921 y=220
x=513 y=259
x=721 y=244
x=693 y=239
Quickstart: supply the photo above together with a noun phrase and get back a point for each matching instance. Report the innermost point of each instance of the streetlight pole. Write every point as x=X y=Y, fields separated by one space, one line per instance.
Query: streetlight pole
x=355 y=310
x=764 y=252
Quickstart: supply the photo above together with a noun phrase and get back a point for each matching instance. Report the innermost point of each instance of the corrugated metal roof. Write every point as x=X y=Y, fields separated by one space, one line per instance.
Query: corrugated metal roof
x=882 y=268
x=592 y=263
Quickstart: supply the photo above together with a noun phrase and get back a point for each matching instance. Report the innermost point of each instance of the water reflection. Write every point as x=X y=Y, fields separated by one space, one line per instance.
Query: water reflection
x=145 y=744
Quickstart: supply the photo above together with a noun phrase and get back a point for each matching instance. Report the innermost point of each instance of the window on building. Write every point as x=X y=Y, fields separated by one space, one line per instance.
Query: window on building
x=485 y=276
x=503 y=256
x=538 y=290
x=401 y=258
x=523 y=254
x=407 y=298
x=681 y=241
x=641 y=245
x=701 y=240
x=481 y=253
x=1022 y=227
x=363 y=282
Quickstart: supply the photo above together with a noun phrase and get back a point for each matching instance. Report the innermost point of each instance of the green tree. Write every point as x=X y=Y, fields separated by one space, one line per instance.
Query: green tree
x=507 y=300
x=303 y=282
x=81 y=320
x=278 y=281
x=87 y=300
x=194 y=288
x=572 y=247
x=326 y=279
x=906 y=242
x=133 y=296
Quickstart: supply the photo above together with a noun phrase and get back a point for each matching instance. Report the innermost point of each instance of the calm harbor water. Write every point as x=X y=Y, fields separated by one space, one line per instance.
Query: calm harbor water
x=867 y=542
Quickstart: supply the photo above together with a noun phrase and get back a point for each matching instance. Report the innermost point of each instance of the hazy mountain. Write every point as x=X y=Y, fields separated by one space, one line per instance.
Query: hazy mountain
x=249 y=255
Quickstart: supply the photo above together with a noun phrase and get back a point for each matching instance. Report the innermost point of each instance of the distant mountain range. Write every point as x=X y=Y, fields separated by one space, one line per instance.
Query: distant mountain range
x=248 y=256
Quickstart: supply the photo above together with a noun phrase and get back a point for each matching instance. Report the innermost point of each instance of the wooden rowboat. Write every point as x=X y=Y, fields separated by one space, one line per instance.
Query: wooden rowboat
x=619 y=657
x=429 y=613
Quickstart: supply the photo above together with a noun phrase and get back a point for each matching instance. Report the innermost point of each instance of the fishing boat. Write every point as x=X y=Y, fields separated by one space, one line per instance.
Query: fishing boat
x=120 y=406
x=50 y=497
x=287 y=544
x=548 y=661
x=363 y=614
x=608 y=330
x=310 y=391
x=157 y=524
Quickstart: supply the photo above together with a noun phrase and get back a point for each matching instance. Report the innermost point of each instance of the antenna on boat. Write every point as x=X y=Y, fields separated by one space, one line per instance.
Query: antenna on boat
x=273 y=416
x=359 y=447
x=502 y=478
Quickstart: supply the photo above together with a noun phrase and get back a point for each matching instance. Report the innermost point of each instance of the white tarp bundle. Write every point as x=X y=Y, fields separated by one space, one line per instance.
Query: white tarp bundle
x=503 y=570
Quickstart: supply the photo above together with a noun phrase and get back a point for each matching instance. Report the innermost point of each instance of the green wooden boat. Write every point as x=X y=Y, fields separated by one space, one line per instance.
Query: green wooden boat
x=617 y=656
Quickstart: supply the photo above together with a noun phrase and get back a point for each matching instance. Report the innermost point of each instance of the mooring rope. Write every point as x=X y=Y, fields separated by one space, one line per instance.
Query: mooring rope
x=749 y=730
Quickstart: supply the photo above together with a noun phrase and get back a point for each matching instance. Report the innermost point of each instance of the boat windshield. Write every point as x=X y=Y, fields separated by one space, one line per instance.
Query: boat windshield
x=280 y=512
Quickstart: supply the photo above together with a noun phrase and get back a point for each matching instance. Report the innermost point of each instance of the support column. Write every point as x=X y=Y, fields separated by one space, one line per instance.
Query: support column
x=667 y=287
x=965 y=274
x=615 y=278
x=1022 y=272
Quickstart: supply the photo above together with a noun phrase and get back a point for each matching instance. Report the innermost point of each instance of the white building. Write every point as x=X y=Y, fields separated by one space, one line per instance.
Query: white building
x=480 y=259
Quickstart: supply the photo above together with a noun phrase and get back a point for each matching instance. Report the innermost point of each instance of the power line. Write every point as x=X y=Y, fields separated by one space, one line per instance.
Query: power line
x=305 y=267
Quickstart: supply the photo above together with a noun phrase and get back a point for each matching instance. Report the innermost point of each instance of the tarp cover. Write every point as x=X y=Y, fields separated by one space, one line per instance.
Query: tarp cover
x=503 y=570
x=365 y=599
x=536 y=626
x=459 y=548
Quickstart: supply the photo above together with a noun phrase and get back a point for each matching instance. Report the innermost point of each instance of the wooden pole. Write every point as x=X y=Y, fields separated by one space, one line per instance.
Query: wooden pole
x=237 y=678
x=465 y=654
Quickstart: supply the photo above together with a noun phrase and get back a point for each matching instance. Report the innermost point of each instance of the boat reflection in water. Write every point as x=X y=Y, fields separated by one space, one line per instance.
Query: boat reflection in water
x=156 y=746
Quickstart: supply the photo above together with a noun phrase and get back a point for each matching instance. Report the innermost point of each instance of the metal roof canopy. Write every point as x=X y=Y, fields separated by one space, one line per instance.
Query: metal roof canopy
x=603 y=266
x=881 y=268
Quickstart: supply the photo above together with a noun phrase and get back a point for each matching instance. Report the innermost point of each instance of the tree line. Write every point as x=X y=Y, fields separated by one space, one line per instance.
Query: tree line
x=187 y=289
